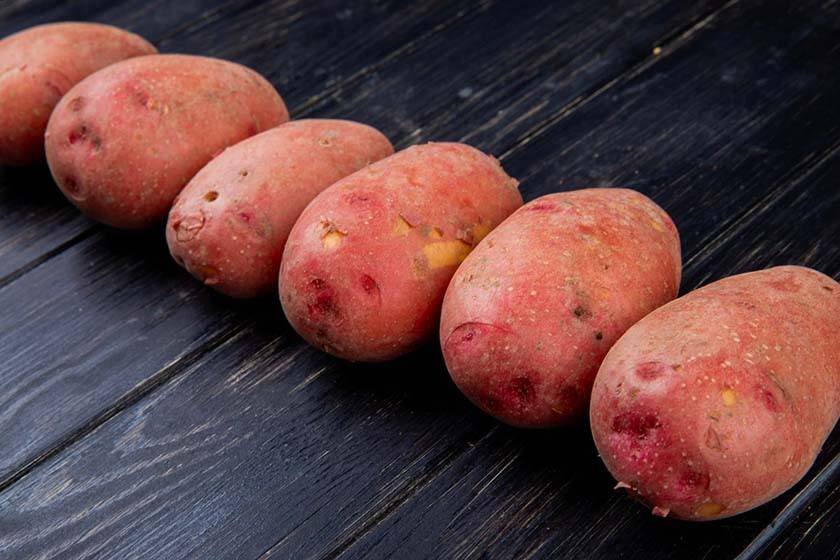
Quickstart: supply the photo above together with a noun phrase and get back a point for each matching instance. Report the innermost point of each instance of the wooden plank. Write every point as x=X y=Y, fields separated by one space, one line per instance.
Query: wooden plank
x=320 y=50
x=197 y=325
x=547 y=495
x=361 y=441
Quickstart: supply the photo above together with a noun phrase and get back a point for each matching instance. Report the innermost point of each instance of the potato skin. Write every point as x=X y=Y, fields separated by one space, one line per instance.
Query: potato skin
x=531 y=313
x=229 y=225
x=124 y=141
x=720 y=400
x=366 y=265
x=37 y=67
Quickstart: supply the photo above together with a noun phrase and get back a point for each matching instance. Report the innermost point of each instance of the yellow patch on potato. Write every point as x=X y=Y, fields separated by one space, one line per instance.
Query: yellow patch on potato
x=446 y=253
x=480 y=231
x=435 y=233
x=709 y=509
x=331 y=236
x=728 y=396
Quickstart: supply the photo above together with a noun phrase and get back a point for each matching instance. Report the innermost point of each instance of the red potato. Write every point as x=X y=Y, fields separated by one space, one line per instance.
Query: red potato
x=531 y=313
x=124 y=141
x=229 y=225
x=38 y=66
x=366 y=265
x=721 y=400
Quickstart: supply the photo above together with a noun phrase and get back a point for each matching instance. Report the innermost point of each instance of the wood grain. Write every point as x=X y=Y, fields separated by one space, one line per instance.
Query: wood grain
x=199 y=324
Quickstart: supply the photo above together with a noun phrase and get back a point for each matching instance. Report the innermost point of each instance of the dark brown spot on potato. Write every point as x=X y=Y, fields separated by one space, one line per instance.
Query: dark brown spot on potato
x=636 y=424
x=829 y=288
x=581 y=312
x=243 y=173
x=210 y=196
x=599 y=335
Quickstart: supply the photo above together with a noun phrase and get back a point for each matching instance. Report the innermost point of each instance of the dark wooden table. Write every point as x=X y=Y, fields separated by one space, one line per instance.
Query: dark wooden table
x=143 y=416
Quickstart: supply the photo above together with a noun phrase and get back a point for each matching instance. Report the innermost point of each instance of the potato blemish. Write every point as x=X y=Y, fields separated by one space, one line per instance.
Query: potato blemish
x=369 y=285
x=446 y=253
x=713 y=440
x=635 y=424
x=320 y=299
x=188 y=227
x=649 y=371
x=209 y=274
x=76 y=104
x=519 y=392
x=401 y=226
x=331 y=235
x=728 y=396
x=709 y=509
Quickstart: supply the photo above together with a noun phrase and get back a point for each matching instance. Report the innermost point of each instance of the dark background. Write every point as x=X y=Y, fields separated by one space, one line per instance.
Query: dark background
x=143 y=416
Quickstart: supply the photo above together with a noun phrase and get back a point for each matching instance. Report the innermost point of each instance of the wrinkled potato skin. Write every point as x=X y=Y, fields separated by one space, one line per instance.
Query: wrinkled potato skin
x=720 y=400
x=533 y=310
x=229 y=225
x=366 y=266
x=39 y=65
x=124 y=141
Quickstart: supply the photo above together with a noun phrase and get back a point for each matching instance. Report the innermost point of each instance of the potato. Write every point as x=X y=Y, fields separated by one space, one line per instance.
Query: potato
x=366 y=265
x=124 y=141
x=533 y=310
x=229 y=225
x=38 y=66
x=720 y=400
